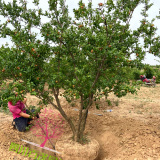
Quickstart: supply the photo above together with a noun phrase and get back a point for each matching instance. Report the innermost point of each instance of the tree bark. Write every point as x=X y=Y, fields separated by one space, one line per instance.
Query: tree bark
x=72 y=126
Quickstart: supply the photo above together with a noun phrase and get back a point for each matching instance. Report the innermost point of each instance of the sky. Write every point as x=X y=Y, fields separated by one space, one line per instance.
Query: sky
x=155 y=10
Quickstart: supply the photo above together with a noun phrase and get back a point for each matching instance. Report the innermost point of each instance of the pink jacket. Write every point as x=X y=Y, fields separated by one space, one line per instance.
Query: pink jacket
x=17 y=109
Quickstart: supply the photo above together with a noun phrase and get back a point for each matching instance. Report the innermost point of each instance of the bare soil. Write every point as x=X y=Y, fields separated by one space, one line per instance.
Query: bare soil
x=131 y=131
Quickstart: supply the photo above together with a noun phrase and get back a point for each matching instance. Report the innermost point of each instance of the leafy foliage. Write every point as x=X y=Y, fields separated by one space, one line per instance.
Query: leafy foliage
x=34 y=111
x=13 y=92
x=136 y=74
x=149 y=71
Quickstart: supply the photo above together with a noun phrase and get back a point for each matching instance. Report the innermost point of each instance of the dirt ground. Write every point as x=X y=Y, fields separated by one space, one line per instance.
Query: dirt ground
x=130 y=132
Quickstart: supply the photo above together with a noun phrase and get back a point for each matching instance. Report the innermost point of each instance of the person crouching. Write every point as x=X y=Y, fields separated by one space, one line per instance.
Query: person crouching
x=20 y=117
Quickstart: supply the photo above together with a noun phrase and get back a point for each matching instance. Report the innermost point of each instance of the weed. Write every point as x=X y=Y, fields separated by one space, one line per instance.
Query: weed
x=109 y=102
x=28 y=127
x=117 y=102
x=97 y=106
x=146 y=110
x=140 y=105
x=72 y=104
x=84 y=140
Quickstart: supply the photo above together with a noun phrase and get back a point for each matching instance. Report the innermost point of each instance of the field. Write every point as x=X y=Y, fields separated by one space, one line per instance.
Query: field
x=130 y=132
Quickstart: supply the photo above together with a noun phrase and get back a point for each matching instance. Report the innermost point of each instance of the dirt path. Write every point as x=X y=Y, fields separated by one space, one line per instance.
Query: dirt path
x=130 y=132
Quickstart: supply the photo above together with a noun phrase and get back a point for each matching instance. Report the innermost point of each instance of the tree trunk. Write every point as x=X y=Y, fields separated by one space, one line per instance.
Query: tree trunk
x=72 y=126
x=80 y=133
x=83 y=119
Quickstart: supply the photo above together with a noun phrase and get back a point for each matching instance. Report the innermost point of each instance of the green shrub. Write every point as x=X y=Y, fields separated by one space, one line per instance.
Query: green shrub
x=157 y=77
x=136 y=74
x=149 y=71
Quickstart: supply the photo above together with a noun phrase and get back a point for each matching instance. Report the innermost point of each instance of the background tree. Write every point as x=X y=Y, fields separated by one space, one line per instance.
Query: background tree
x=149 y=71
x=84 y=55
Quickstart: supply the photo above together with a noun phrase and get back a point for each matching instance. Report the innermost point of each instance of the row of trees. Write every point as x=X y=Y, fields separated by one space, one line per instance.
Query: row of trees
x=147 y=70
x=84 y=55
